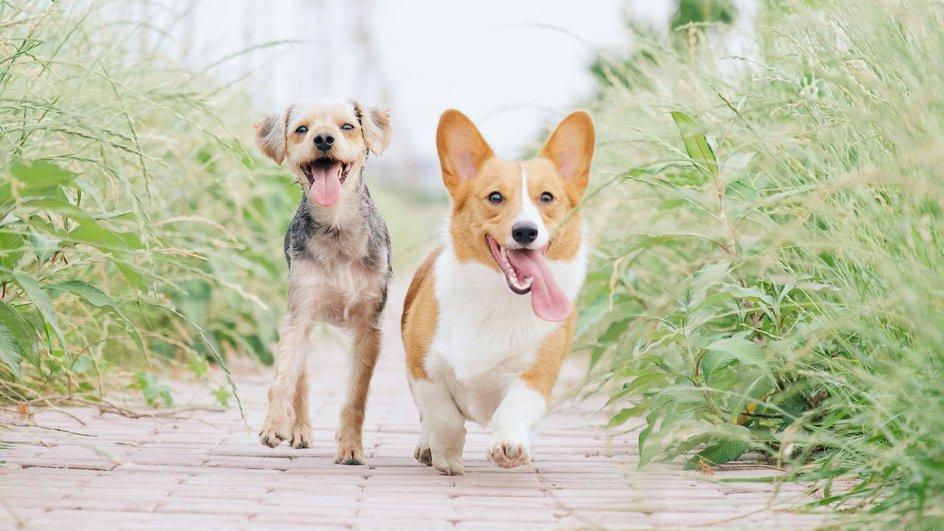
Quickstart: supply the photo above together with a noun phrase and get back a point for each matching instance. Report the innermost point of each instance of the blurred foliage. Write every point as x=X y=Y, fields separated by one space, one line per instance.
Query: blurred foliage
x=704 y=11
x=136 y=232
x=770 y=265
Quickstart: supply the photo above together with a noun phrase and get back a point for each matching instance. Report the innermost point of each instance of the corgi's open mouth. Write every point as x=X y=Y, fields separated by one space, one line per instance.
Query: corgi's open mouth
x=519 y=281
x=325 y=177
x=526 y=271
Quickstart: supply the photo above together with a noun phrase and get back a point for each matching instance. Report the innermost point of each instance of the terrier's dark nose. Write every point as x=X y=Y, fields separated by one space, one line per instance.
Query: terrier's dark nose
x=323 y=141
x=524 y=233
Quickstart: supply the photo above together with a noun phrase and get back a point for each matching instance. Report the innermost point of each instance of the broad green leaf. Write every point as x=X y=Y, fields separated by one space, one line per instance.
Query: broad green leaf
x=11 y=249
x=10 y=353
x=44 y=247
x=707 y=277
x=93 y=234
x=22 y=331
x=98 y=298
x=87 y=292
x=40 y=175
x=744 y=350
x=625 y=414
x=696 y=145
x=42 y=303
x=722 y=451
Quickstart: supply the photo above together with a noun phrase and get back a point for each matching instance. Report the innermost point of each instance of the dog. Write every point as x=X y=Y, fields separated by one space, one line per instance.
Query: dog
x=478 y=346
x=338 y=252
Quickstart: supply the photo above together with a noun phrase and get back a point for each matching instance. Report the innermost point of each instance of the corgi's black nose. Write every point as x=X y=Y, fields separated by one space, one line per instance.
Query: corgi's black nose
x=524 y=233
x=323 y=141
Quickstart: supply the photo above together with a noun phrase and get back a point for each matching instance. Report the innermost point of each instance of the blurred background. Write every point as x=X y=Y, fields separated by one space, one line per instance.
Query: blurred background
x=511 y=66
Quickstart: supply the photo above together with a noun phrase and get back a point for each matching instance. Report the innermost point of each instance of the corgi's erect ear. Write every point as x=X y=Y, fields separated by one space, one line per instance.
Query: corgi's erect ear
x=570 y=149
x=462 y=149
x=270 y=136
x=375 y=123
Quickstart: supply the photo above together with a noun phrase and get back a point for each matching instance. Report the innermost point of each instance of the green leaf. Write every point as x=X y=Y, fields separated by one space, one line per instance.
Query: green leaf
x=86 y=291
x=742 y=349
x=719 y=453
x=35 y=179
x=42 y=304
x=696 y=145
x=98 y=298
x=625 y=414
x=43 y=247
x=11 y=249
x=93 y=234
x=707 y=277
x=22 y=331
x=10 y=353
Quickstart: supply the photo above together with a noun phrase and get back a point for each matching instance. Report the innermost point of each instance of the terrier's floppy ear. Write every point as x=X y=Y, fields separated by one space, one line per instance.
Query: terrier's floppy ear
x=462 y=149
x=270 y=136
x=375 y=123
x=570 y=149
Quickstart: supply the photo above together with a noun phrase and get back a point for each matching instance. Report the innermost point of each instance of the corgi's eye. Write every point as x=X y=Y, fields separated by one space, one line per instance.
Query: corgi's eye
x=546 y=197
x=301 y=129
x=347 y=127
x=496 y=198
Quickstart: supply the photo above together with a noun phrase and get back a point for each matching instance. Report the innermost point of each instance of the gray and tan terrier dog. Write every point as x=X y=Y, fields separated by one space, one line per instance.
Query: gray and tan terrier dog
x=338 y=252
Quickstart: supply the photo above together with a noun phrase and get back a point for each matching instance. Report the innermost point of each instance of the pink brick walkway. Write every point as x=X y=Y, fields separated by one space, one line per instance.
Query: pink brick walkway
x=205 y=470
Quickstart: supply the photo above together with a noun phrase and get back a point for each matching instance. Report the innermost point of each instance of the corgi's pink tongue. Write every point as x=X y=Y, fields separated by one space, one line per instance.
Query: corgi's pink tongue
x=547 y=299
x=327 y=186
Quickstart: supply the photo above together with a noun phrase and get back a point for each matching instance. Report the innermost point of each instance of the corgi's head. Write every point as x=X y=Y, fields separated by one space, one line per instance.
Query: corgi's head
x=510 y=215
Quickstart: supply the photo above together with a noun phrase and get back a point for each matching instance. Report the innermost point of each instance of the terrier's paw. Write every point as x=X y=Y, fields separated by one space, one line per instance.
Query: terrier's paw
x=509 y=454
x=448 y=463
x=273 y=433
x=423 y=455
x=349 y=455
x=301 y=437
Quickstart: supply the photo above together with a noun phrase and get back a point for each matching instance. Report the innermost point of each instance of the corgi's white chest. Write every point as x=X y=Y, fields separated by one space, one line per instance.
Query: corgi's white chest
x=487 y=335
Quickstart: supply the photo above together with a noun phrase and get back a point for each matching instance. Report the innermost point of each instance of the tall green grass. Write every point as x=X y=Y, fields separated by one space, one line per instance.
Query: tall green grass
x=136 y=232
x=770 y=273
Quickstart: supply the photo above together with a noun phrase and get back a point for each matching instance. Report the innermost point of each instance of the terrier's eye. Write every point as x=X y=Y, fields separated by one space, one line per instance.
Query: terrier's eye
x=546 y=197
x=301 y=129
x=347 y=127
x=495 y=198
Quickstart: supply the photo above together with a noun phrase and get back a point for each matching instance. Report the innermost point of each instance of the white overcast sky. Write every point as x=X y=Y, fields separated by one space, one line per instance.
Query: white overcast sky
x=510 y=65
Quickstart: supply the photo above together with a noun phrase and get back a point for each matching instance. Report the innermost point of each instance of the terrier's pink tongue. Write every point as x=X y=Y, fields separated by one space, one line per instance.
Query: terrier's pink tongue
x=547 y=299
x=327 y=186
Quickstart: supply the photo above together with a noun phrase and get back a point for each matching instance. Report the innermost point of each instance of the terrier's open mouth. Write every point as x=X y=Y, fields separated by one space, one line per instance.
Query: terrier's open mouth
x=328 y=166
x=325 y=177
x=519 y=281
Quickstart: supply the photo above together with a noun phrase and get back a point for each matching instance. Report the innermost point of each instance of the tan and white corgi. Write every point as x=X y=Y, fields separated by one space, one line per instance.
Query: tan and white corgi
x=489 y=317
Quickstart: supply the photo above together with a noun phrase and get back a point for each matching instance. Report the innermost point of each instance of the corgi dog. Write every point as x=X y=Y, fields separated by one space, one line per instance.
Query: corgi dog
x=488 y=317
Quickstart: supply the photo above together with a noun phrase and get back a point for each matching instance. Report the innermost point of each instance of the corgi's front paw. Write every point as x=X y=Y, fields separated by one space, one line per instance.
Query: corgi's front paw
x=274 y=432
x=508 y=453
x=449 y=463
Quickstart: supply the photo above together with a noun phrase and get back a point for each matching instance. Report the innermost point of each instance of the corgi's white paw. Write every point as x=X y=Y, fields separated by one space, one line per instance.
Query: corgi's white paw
x=509 y=453
x=449 y=463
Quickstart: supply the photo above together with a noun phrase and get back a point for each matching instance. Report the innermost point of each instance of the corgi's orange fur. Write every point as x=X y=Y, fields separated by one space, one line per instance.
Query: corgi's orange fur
x=488 y=318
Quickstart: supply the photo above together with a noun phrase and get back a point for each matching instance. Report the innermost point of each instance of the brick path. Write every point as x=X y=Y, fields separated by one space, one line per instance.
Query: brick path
x=205 y=469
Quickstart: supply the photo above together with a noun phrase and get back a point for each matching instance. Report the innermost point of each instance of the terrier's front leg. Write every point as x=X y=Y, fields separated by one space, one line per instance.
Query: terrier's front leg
x=516 y=416
x=289 y=390
x=366 y=349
